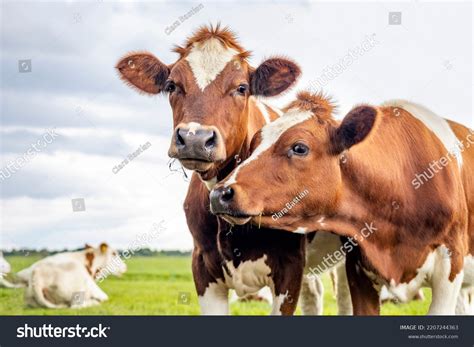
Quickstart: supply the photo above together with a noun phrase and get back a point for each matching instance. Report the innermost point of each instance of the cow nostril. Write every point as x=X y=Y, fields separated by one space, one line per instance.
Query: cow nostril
x=179 y=139
x=227 y=194
x=211 y=142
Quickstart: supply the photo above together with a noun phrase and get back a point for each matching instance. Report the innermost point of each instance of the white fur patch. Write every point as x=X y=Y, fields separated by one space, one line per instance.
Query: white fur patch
x=263 y=110
x=438 y=125
x=249 y=276
x=192 y=127
x=211 y=183
x=207 y=60
x=277 y=302
x=300 y=230
x=215 y=300
x=276 y=110
x=270 y=134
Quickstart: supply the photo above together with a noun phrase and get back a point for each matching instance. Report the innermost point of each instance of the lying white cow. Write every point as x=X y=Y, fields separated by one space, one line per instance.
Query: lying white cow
x=68 y=279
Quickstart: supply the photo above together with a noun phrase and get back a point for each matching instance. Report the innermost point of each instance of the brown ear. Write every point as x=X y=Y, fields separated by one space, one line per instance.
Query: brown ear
x=144 y=72
x=354 y=128
x=88 y=246
x=273 y=77
x=103 y=247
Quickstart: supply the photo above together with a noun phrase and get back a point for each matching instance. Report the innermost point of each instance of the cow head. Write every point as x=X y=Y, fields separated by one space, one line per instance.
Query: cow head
x=104 y=260
x=4 y=266
x=209 y=88
x=294 y=170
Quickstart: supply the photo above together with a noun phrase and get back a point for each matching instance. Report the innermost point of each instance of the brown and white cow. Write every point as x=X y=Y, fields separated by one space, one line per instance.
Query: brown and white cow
x=392 y=180
x=212 y=90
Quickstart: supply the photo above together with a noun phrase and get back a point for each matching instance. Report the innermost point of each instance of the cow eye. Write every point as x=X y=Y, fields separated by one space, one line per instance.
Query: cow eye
x=299 y=149
x=242 y=89
x=170 y=87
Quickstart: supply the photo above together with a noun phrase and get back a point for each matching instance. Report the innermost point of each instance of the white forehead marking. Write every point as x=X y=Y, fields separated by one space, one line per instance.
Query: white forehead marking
x=192 y=127
x=207 y=60
x=438 y=125
x=270 y=134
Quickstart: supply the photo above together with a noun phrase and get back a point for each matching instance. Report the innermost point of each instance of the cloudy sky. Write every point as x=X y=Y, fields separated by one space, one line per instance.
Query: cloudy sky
x=67 y=120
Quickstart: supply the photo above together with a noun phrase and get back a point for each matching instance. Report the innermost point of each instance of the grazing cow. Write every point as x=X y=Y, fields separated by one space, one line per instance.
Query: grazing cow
x=68 y=279
x=391 y=180
x=213 y=93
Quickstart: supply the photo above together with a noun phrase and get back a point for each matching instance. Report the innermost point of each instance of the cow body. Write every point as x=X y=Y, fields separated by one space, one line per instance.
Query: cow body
x=404 y=223
x=68 y=279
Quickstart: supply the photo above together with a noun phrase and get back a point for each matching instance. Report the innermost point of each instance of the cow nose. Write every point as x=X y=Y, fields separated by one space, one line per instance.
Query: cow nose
x=200 y=139
x=221 y=198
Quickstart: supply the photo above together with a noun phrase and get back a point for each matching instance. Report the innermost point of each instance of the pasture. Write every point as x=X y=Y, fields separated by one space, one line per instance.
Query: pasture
x=163 y=285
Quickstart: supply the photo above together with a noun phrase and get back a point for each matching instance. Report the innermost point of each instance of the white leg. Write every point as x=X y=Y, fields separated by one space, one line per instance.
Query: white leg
x=465 y=302
x=312 y=295
x=278 y=300
x=445 y=292
x=96 y=292
x=215 y=300
x=344 y=301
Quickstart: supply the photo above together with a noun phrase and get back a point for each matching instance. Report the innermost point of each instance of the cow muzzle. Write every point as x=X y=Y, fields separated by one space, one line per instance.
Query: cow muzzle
x=197 y=147
x=223 y=205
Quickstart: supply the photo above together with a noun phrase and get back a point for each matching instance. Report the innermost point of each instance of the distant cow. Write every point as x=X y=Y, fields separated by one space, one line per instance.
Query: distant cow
x=68 y=279
x=394 y=181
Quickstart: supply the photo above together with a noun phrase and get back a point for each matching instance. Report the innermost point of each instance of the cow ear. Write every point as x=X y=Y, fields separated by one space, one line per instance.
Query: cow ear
x=354 y=128
x=143 y=71
x=103 y=247
x=273 y=77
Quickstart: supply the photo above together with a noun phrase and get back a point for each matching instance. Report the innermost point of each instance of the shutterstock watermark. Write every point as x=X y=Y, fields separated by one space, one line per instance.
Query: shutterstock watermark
x=140 y=242
x=332 y=259
x=50 y=331
x=289 y=205
x=438 y=165
x=15 y=165
x=331 y=72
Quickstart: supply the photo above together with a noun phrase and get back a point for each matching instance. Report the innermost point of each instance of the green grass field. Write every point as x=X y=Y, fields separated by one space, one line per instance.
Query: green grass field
x=153 y=285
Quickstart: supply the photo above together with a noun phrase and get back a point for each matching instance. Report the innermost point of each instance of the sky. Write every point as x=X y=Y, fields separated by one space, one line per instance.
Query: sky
x=67 y=120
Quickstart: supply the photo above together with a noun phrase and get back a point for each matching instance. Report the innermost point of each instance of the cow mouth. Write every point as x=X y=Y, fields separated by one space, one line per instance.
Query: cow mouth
x=200 y=165
x=236 y=219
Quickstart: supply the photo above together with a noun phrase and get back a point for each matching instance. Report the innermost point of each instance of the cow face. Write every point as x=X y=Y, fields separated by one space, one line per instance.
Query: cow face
x=107 y=260
x=209 y=89
x=294 y=171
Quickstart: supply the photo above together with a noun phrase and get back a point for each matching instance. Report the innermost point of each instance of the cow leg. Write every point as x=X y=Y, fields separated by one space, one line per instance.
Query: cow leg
x=213 y=293
x=312 y=294
x=444 y=292
x=343 y=293
x=214 y=300
x=286 y=290
x=365 y=299
x=96 y=292
x=465 y=304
